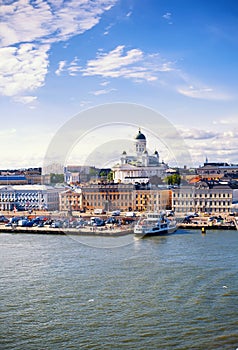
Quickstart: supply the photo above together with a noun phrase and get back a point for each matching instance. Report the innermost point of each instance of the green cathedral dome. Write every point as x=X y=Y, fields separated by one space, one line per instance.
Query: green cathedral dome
x=140 y=136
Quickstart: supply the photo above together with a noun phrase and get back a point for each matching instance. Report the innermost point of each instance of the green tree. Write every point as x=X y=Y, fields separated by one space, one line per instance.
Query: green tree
x=56 y=178
x=174 y=179
x=110 y=176
x=103 y=173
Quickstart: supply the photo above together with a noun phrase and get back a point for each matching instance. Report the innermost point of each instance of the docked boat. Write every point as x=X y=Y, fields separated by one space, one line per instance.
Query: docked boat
x=154 y=224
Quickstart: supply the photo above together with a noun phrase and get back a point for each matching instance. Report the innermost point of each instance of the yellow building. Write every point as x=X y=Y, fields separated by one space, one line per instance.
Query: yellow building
x=70 y=200
x=108 y=197
x=152 y=199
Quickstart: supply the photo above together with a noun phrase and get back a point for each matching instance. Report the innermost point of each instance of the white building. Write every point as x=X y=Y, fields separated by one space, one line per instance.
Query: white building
x=202 y=199
x=141 y=166
x=71 y=177
x=29 y=197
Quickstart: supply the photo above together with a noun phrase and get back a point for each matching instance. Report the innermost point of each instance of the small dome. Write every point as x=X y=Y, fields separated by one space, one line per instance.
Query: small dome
x=156 y=153
x=140 y=136
x=145 y=152
x=124 y=153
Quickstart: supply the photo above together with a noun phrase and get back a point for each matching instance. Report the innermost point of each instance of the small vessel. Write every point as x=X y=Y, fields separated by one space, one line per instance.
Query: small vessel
x=154 y=224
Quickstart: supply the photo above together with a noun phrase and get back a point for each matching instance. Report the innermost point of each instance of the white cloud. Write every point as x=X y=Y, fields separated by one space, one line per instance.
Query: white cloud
x=197 y=134
x=206 y=93
x=74 y=68
x=27 y=21
x=24 y=22
x=104 y=83
x=133 y=64
x=25 y=99
x=129 y=14
x=22 y=69
x=230 y=120
x=217 y=146
x=28 y=28
x=60 y=68
x=102 y=92
x=167 y=17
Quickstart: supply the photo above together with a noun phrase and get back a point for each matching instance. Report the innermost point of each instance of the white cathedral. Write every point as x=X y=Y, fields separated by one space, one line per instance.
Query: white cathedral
x=140 y=167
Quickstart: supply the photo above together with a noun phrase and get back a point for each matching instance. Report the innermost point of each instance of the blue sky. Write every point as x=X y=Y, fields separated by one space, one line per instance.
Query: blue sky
x=59 y=58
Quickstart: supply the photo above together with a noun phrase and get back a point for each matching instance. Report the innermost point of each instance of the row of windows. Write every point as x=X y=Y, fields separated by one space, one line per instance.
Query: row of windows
x=147 y=196
x=216 y=210
x=102 y=204
x=109 y=197
x=202 y=195
x=201 y=203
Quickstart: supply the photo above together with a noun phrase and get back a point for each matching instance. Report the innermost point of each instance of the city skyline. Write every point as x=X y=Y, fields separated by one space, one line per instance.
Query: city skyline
x=60 y=59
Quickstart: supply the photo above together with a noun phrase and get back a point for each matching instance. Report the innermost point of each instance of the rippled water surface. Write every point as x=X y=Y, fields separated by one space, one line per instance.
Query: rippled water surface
x=174 y=292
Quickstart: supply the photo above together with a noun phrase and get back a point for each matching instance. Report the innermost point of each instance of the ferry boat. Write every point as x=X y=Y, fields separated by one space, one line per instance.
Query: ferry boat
x=155 y=224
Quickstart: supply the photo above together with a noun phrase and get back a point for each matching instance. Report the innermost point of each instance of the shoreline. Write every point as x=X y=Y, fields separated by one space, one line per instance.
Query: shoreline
x=206 y=227
x=67 y=231
x=102 y=232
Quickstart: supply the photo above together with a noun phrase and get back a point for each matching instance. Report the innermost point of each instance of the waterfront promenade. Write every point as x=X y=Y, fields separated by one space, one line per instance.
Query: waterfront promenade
x=190 y=223
x=84 y=231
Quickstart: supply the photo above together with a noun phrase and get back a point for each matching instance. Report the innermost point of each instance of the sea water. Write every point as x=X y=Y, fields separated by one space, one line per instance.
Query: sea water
x=173 y=292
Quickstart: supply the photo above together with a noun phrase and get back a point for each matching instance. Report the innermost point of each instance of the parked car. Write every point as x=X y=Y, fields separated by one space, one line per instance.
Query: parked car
x=56 y=224
x=130 y=214
x=29 y=224
x=116 y=213
x=4 y=219
x=99 y=211
x=111 y=220
x=95 y=221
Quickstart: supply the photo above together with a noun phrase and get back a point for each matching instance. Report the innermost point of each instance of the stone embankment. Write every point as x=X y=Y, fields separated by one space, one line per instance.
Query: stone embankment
x=87 y=231
x=209 y=223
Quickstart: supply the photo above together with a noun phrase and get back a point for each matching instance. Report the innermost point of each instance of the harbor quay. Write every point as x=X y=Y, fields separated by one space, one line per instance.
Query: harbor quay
x=107 y=224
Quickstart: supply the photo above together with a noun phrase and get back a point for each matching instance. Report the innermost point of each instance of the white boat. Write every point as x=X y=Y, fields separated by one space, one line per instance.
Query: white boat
x=155 y=224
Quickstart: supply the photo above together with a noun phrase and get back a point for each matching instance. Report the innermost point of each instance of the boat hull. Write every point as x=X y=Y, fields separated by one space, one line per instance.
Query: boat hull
x=154 y=232
x=154 y=224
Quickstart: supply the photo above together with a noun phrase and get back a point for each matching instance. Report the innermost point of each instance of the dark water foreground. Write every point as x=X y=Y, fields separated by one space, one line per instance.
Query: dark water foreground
x=174 y=292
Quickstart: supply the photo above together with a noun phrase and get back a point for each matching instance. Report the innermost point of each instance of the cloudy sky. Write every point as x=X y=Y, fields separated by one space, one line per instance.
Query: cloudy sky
x=59 y=58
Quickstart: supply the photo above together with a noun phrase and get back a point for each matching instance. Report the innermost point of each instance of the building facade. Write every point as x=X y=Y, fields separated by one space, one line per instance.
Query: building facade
x=30 y=176
x=215 y=171
x=29 y=197
x=153 y=199
x=108 y=197
x=139 y=167
x=202 y=199
x=70 y=200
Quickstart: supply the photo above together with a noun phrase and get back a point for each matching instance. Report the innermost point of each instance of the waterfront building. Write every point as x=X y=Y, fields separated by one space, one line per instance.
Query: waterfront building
x=29 y=197
x=216 y=171
x=139 y=167
x=13 y=180
x=29 y=176
x=71 y=177
x=152 y=199
x=202 y=198
x=75 y=174
x=108 y=197
x=70 y=200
